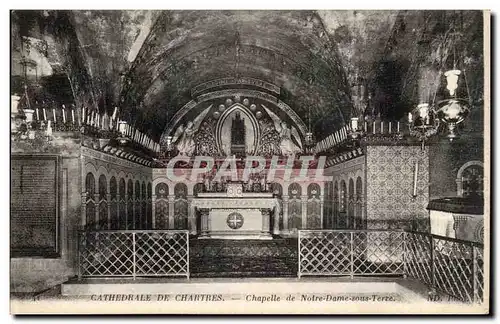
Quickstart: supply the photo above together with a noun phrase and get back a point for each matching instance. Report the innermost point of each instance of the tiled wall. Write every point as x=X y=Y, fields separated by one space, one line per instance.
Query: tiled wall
x=390 y=179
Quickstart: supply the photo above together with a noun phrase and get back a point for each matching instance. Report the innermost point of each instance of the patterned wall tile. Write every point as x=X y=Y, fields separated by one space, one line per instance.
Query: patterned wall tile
x=390 y=175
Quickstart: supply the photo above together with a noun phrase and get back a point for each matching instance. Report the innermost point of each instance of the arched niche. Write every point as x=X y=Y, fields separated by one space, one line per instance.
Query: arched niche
x=223 y=129
x=471 y=172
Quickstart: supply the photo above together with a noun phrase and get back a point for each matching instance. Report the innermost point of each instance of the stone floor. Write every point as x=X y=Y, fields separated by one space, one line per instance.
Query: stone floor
x=249 y=258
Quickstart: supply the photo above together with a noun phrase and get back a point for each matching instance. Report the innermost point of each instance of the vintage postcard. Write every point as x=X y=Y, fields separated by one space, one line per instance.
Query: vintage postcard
x=250 y=162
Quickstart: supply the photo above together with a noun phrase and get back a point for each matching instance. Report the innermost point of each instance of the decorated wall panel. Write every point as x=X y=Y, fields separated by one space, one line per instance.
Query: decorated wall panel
x=347 y=208
x=313 y=207
x=180 y=206
x=161 y=206
x=118 y=198
x=277 y=190
x=90 y=201
x=234 y=122
x=393 y=198
x=113 y=208
x=294 y=207
x=103 y=203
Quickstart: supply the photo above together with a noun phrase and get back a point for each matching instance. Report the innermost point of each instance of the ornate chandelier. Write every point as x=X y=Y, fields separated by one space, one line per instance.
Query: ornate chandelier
x=451 y=109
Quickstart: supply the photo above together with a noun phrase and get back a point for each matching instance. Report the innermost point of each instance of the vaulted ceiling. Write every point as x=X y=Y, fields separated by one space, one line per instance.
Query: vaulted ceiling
x=146 y=62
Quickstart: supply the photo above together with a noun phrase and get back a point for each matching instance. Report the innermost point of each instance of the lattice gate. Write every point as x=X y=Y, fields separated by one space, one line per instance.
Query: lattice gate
x=354 y=252
x=131 y=253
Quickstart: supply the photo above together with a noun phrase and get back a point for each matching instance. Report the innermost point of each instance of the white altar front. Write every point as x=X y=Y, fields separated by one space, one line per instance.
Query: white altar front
x=235 y=214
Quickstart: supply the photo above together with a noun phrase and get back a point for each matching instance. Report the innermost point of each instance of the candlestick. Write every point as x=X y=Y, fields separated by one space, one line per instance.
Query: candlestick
x=415 y=179
x=49 y=129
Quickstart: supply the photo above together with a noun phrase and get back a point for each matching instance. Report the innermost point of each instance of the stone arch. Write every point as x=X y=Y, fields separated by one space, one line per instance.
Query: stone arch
x=459 y=180
x=103 y=201
x=161 y=206
x=359 y=200
x=313 y=220
x=137 y=204
x=294 y=206
x=350 y=204
x=90 y=201
x=336 y=203
x=180 y=206
x=89 y=167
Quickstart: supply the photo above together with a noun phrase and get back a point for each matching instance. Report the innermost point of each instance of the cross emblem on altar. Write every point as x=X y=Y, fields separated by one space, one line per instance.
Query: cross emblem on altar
x=235 y=220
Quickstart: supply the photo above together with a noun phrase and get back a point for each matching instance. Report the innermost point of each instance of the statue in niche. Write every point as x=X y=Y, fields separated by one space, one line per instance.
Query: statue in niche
x=183 y=138
x=238 y=135
x=287 y=135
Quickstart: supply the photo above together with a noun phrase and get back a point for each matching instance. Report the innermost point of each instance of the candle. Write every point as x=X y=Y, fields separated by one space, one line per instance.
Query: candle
x=415 y=179
x=410 y=117
x=381 y=127
x=37 y=116
x=390 y=126
x=73 y=115
x=398 y=127
x=366 y=126
x=115 y=112
x=54 y=113
x=44 y=114
x=64 y=114
x=373 y=127
x=83 y=114
x=354 y=123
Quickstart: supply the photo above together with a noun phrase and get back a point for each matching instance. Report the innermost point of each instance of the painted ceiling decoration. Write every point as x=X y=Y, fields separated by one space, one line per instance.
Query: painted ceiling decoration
x=154 y=64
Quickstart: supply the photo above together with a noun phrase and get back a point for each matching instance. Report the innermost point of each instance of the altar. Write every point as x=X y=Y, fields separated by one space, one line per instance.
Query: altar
x=235 y=214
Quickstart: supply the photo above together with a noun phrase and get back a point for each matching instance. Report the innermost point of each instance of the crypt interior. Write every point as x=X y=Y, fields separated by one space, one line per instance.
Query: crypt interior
x=386 y=105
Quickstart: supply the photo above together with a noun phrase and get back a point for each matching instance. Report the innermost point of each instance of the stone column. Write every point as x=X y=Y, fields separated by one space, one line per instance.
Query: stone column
x=96 y=199
x=205 y=224
x=265 y=220
x=191 y=216
x=321 y=211
x=153 y=212
x=285 y=215
x=276 y=225
x=126 y=211
x=304 y=211
x=84 y=208
x=108 y=199
x=171 y=223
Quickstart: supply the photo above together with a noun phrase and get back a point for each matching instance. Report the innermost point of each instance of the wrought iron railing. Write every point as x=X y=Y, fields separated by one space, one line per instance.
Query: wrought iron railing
x=132 y=253
x=448 y=265
x=351 y=252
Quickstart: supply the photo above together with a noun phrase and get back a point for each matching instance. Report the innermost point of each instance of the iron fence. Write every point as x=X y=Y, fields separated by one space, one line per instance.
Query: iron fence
x=351 y=252
x=451 y=266
x=448 y=265
x=131 y=253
